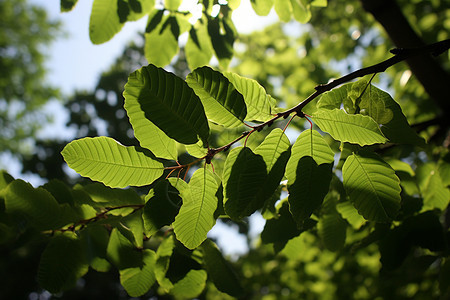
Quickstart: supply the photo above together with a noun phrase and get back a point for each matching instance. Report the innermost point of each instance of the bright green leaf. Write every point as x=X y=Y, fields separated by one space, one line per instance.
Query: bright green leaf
x=170 y=104
x=262 y=7
x=161 y=44
x=319 y=3
x=243 y=177
x=196 y=216
x=435 y=194
x=220 y=271
x=147 y=133
x=355 y=129
x=103 y=159
x=301 y=10
x=349 y=213
x=260 y=106
x=191 y=285
x=62 y=263
x=36 y=205
x=137 y=281
x=198 y=47
x=172 y=4
x=164 y=253
x=372 y=186
x=104 y=22
x=224 y=105
x=283 y=9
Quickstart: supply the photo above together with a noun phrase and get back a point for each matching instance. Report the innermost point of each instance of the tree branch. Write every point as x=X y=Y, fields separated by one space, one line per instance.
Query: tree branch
x=426 y=69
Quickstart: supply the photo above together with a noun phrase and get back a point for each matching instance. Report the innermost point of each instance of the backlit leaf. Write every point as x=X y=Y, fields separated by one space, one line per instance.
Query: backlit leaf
x=95 y=239
x=372 y=186
x=222 y=34
x=350 y=214
x=196 y=216
x=103 y=159
x=301 y=10
x=355 y=129
x=62 y=263
x=219 y=270
x=283 y=9
x=191 y=285
x=260 y=106
x=435 y=194
x=243 y=177
x=147 y=133
x=104 y=22
x=262 y=7
x=36 y=205
x=137 y=281
x=121 y=252
x=169 y=103
x=198 y=47
x=224 y=105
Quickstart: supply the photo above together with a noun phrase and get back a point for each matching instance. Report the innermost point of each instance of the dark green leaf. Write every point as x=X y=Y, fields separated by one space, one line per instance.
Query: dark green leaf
x=62 y=263
x=220 y=271
x=224 y=105
x=137 y=281
x=95 y=240
x=169 y=103
x=68 y=5
x=222 y=38
x=243 y=177
x=122 y=253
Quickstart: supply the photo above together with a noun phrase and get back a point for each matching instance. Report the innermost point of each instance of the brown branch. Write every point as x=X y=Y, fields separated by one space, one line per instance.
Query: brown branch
x=400 y=54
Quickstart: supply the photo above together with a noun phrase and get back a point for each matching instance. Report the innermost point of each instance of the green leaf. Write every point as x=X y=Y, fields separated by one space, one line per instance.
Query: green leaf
x=5 y=179
x=435 y=194
x=283 y=8
x=262 y=7
x=333 y=99
x=372 y=186
x=222 y=34
x=95 y=239
x=307 y=192
x=355 y=129
x=164 y=253
x=275 y=153
x=319 y=3
x=162 y=205
x=260 y=106
x=197 y=149
x=220 y=271
x=62 y=263
x=108 y=197
x=161 y=44
x=133 y=226
x=121 y=252
x=137 y=281
x=103 y=159
x=224 y=105
x=68 y=5
x=36 y=205
x=196 y=216
x=198 y=47
x=147 y=133
x=243 y=177
x=350 y=214
x=191 y=285
x=301 y=10
x=104 y=22
x=308 y=172
x=169 y=103
x=331 y=227
x=172 y=4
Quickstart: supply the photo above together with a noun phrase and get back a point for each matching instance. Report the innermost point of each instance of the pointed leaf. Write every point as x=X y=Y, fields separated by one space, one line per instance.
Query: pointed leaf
x=355 y=129
x=350 y=214
x=262 y=7
x=220 y=271
x=104 y=22
x=147 y=133
x=137 y=281
x=121 y=252
x=95 y=239
x=103 y=159
x=161 y=44
x=164 y=253
x=283 y=9
x=224 y=105
x=372 y=186
x=435 y=194
x=62 y=263
x=332 y=230
x=222 y=34
x=191 y=285
x=260 y=106
x=169 y=103
x=307 y=192
x=36 y=205
x=275 y=153
x=162 y=205
x=68 y=5
x=243 y=176
x=196 y=216
x=301 y=10
x=198 y=47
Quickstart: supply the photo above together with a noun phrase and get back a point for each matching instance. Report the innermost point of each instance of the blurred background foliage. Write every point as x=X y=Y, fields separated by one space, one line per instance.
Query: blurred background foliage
x=289 y=59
